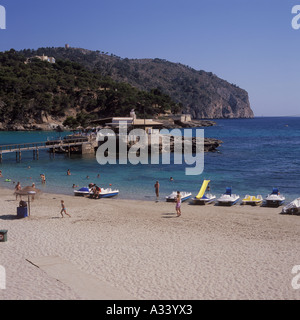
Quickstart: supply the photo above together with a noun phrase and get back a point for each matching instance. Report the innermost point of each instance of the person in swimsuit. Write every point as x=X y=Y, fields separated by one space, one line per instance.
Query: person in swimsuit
x=178 y=204
x=156 y=186
x=97 y=191
x=63 y=209
x=18 y=188
x=43 y=178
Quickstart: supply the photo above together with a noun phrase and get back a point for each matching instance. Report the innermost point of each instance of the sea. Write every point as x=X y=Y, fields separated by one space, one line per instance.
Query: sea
x=256 y=155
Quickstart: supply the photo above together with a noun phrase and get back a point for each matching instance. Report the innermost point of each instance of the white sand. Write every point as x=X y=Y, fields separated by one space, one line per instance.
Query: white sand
x=145 y=250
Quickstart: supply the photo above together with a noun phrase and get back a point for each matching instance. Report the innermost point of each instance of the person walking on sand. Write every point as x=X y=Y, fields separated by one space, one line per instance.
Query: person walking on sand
x=156 y=186
x=178 y=204
x=63 y=209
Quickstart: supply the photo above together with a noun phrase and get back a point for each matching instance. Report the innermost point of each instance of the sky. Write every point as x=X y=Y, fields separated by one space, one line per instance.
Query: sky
x=250 y=43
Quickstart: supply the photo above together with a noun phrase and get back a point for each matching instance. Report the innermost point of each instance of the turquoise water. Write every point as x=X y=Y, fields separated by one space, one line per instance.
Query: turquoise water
x=257 y=155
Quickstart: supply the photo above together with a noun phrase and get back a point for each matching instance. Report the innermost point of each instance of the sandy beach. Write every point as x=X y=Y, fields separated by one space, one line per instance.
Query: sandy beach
x=143 y=249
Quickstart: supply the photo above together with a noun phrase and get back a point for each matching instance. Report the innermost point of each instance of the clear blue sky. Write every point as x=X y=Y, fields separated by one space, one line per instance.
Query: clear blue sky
x=247 y=42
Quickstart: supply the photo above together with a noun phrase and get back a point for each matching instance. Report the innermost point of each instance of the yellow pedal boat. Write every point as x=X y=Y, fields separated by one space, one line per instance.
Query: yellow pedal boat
x=252 y=200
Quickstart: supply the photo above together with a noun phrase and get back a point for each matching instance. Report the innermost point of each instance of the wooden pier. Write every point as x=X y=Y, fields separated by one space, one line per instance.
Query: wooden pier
x=60 y=146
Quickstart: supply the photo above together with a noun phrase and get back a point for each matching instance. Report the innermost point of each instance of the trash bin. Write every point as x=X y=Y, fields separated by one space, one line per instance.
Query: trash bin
x=22 y=212
x=3 y=235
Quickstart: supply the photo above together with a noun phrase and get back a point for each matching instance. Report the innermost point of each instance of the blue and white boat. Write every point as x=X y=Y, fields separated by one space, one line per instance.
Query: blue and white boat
x=228 y=199
x=184 y=196
x=275 y=199
x=85 y=191
x=203 y=198
x=108 y=193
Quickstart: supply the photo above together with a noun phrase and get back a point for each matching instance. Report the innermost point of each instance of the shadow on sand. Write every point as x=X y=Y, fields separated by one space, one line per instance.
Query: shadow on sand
x=169 y=215
x=9 y=217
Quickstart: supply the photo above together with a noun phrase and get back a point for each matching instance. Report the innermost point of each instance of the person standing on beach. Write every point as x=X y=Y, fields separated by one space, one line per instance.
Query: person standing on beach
x=178 y=204
x=33 y=187
x=156 y=186
x=63 y=209
x=18 y=188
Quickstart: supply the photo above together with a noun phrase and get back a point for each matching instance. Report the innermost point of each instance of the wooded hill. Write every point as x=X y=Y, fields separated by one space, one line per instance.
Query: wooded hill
x=31 y=93
x=201 y=93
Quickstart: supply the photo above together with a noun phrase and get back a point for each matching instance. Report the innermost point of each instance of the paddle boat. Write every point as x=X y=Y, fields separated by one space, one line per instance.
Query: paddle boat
x=106 y=193
x=252 y=200
x=206 y=199
x=275 y=199
x=184 y=196
x=202 y=198
x=228 y=199
x=292 y=208
x=85 y=191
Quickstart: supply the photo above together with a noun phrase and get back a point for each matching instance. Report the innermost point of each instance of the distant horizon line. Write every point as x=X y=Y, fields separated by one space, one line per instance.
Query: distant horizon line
x=282 y=116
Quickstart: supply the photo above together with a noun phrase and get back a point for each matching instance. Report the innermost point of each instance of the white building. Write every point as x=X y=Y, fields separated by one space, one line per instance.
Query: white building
x=42 y=58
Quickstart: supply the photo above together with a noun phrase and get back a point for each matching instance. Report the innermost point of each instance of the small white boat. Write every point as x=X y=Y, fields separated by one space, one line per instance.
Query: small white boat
x=206 y=199
x=252 y=200
x=184 y=196
x=85 y=191
x=108 y=193
x=228 y=199
x=202 y=198
x=292 y=208
x=105 y=193
x=275 y=199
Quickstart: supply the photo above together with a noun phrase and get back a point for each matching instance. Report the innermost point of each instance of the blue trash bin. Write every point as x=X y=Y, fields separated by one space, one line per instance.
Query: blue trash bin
x=22 y=212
